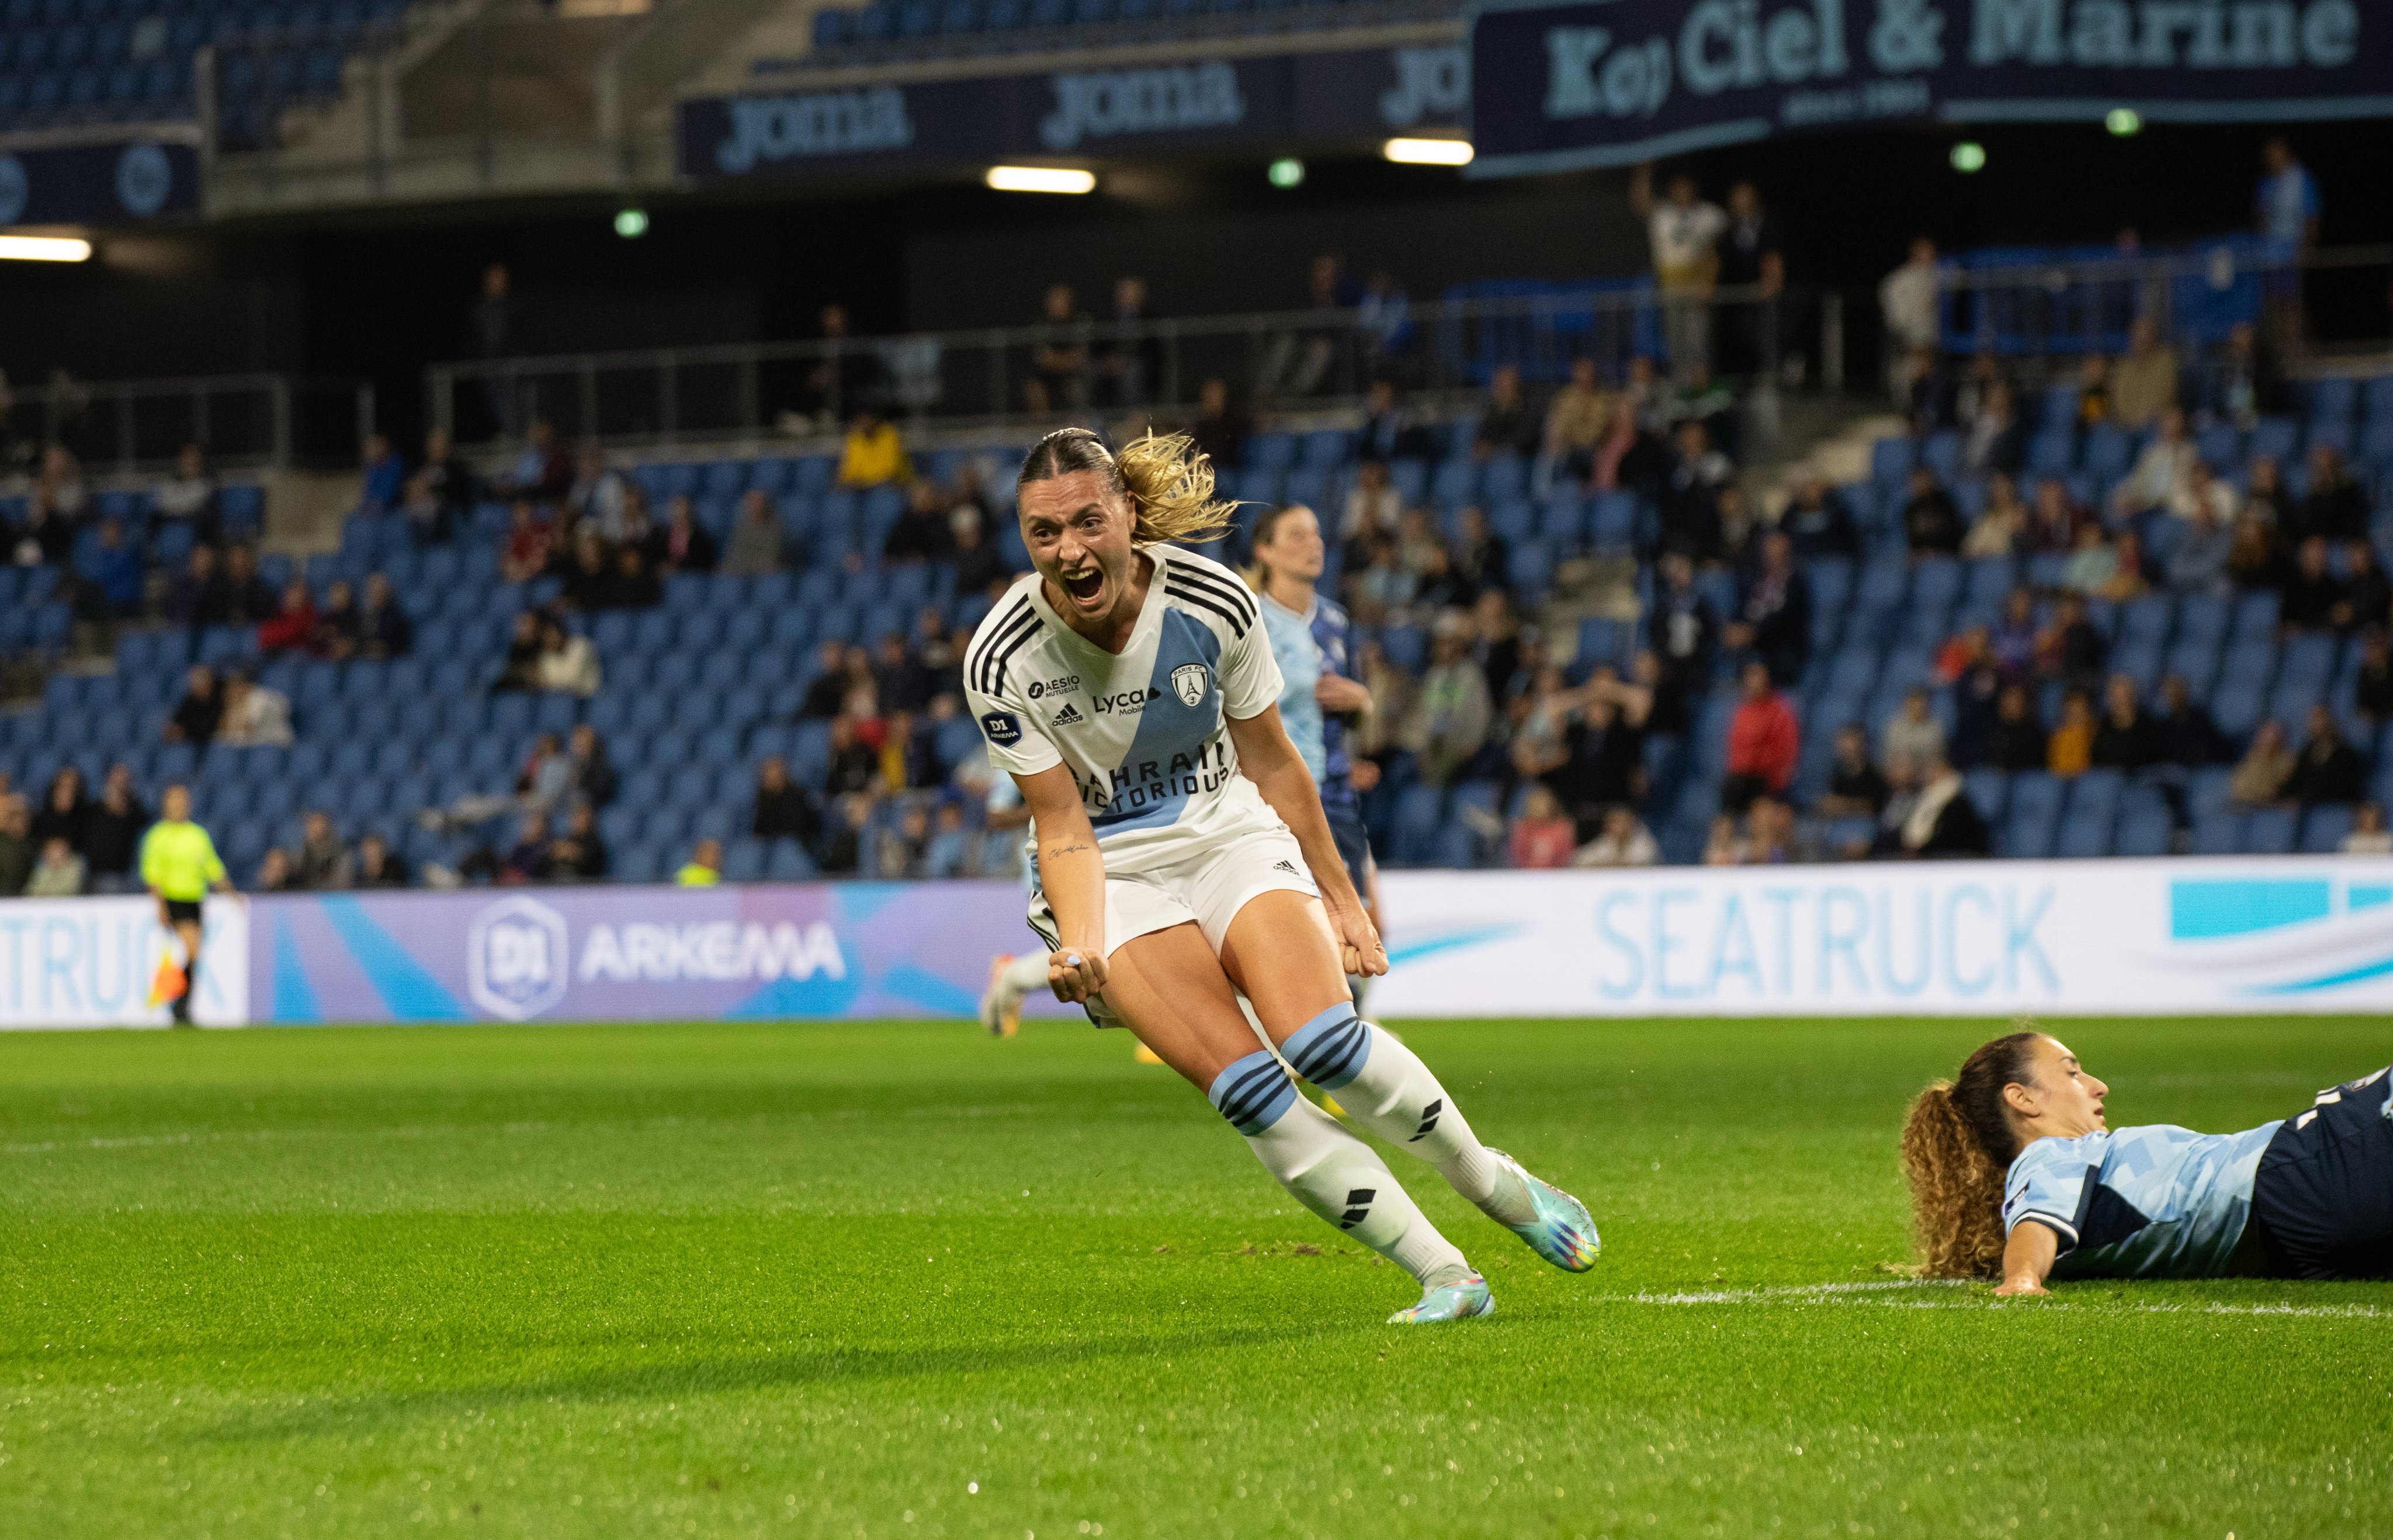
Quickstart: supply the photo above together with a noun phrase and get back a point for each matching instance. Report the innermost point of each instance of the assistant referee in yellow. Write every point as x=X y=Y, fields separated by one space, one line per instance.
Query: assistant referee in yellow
x=178 y=866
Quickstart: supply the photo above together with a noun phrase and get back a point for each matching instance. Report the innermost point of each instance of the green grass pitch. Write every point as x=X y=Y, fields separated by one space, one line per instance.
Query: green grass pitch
x=905 y=1281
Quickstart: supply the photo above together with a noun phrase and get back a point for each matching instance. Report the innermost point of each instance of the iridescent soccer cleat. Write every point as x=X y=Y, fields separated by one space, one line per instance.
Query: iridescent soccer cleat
x=1455 y=1301
x=1564 y=1234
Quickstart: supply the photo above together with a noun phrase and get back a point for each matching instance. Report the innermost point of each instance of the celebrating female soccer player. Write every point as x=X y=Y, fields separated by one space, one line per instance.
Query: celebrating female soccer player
x=1183 y=857
x=1308 y=639
x=2014 y=1172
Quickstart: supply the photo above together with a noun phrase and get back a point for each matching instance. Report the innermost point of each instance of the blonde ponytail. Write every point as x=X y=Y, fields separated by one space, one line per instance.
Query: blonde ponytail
x=1168 y=481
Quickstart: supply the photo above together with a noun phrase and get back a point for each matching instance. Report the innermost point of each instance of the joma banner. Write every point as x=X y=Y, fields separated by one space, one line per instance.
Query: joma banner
x=1611 y=81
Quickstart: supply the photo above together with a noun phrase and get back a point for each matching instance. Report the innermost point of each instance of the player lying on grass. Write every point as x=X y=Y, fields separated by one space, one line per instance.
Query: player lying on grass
x=1183 y=857
x=2014 y=1174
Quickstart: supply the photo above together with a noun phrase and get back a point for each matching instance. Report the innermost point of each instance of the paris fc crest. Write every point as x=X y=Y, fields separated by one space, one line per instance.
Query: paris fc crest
x=1190 y=681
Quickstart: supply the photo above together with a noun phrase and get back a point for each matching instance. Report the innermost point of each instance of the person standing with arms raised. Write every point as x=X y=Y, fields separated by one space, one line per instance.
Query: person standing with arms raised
x=178 y=866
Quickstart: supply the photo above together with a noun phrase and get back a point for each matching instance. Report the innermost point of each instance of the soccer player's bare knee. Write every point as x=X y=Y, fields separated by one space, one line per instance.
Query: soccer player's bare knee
x=1282 y=954
x=1170 y=989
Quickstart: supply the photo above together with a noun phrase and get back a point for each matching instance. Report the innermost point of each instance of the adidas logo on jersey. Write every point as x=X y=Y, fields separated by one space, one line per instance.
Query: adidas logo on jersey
x=1068 y=717
x=1287 y=867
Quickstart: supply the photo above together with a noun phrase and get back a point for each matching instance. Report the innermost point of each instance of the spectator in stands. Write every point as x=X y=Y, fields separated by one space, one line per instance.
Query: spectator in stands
x=294 y=626
x=2373 y=680
x=1996 y=441
x=524 y=552
x=1931 y=522
x=321 y=864
x=337 y=629
x=2002 y=529
x=378 y=866
x=382 y=481
x=1690 y=495
x=2334 y=506
x=568 y=665
x=1482 y=558
x=441 y=491
x=2182 y=732
x=1683 y=632
x=2366 y=595
x=828 y=687
x=2199 y=559
x=1541 y=838
x=1624 y=840
x=61 y=482
x=1725 y=846
x=2070 y=752
x=1507 y=426
x=1763 y=740
x=1451 y=713
x=904 y=844
x=1684 y=231
x=1976 y=698
x=65 y=811
x=594 y=781
x=2369 y=835
x=1774 y=611
x=189 y=495
x=2124 y=739
x=1388 y=432
x=580 y=854
x=200 y=709
x=2205 y=492
x=1125 y=368
x=2256 y=556
x=949 y=852
x=1856 y=788
x=527 y=860
x=2285 y=210
x=1943 y=822
x=684 y=544
x=1750 y=258
x=1219 y=429
x=1059 y=361
x=383 y=630
x=58 y=873
x=1384 y=324
x=541 y=474
x=111 y=586
x=1914 y=734
x=872 y=454
x=921 y=532
x=2093 y=568
x=1372 y=505
x=2265 y=493
x=2057 y=519
x=2020 y=741
x=112 y=833
x=849 y=376
x=199 y=597
x=273 y=872
x=1770 y=834
x=2312 y=598
x=782 y=811
x=596 y=499
x=248 y=601
x=2241 y=381
x=2161 y=472
x=2127 y=576
x=2329 y=770
x=979 y=569
x=547 y=774
x=755 y=544
x=47 y=538
x=636 y=583
x=2261 y=776
x=2143 y=384
x=16 y=852
x=255 y=715
x=1906 y=303
x=843 y=850
x=1586 y=432
x=1602 y=761
x=855 y=765
x=1819 y=523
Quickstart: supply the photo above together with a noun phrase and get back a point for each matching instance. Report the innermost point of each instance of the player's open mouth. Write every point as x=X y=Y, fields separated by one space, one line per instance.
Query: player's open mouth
x=1083 y=587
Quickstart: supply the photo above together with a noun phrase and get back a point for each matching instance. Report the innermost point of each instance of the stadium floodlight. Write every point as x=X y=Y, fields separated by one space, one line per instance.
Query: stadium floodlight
x=43 y=248
x=1286 y=172
x=632 y=224
x=1041 y=178
x=1968 y=156
x=1428 y=152
x=2124 y=121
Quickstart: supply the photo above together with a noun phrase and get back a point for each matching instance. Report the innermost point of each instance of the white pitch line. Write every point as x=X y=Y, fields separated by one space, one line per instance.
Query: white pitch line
x=1878 y=1295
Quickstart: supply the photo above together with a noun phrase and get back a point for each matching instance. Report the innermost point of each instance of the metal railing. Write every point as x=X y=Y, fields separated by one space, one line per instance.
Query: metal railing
x=996 y=377
x=244 y=421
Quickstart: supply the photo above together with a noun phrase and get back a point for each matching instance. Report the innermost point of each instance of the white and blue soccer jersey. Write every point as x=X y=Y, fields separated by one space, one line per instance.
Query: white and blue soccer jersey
x=1143 y=732
x=2152 y=1202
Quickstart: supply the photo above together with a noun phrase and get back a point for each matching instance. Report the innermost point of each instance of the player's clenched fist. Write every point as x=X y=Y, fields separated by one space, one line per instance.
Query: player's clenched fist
x=1076 y=976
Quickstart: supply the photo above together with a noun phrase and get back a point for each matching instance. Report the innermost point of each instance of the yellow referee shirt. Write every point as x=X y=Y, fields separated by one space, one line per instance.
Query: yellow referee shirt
x=178 y=861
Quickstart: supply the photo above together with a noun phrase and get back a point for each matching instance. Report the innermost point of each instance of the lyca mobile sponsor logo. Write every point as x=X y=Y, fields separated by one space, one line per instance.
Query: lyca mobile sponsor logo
x=820 y=123
x=1103 y=104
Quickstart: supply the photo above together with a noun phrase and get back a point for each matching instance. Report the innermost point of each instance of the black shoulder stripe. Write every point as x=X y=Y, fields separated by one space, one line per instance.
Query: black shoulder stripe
x=1016 y=623
x=1227 y=588
x=996 y=664
x=1204 y=600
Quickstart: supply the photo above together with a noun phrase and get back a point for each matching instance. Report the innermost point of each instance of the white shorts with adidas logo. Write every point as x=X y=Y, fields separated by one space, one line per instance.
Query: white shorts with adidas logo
x=1209 y=884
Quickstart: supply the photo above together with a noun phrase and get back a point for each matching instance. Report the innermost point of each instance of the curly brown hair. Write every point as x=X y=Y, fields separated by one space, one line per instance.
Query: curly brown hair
x=1167 y=479
x=1956 y=1148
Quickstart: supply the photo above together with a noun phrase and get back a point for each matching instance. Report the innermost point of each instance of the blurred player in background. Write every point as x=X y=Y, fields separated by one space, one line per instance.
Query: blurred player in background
x=178 y=866
x=1319 y=697
x=1183 y=858
x=1010 y=977
x=2014 y=1174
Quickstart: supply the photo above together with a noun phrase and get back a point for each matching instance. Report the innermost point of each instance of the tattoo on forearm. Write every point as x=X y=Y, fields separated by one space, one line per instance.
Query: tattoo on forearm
x=1054 y=851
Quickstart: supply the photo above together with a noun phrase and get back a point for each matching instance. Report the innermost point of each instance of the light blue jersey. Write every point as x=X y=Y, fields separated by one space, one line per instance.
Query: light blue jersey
x=2152 y=1202
x=1298 y=655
